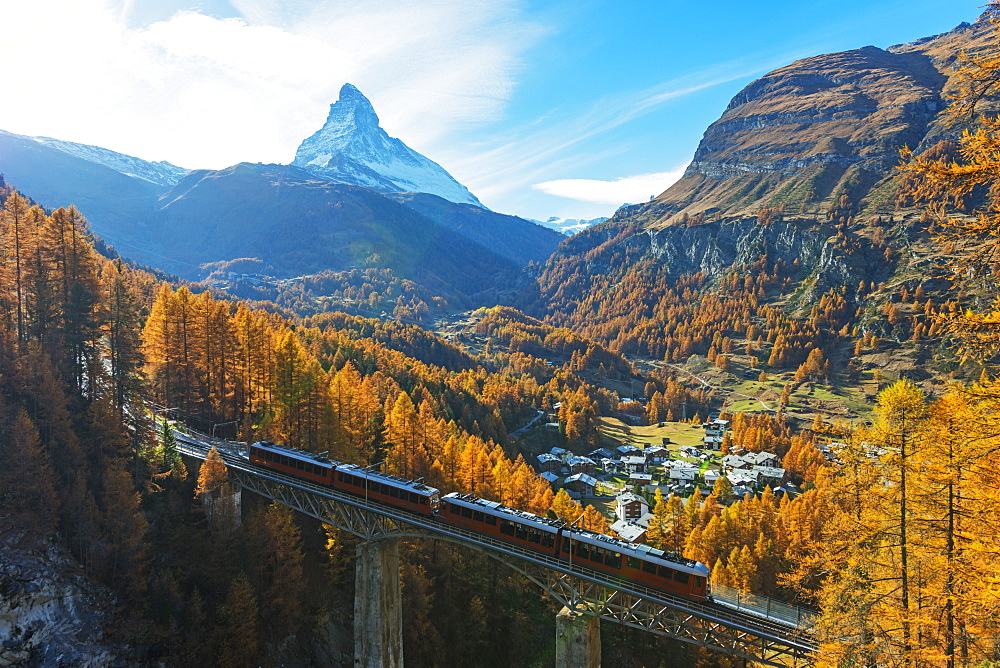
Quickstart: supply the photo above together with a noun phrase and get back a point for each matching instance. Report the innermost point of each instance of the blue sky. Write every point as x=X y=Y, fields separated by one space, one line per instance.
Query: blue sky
x=543 y=109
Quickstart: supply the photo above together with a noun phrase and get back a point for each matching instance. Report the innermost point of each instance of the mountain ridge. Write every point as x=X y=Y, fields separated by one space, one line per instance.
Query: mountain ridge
x=807 y=132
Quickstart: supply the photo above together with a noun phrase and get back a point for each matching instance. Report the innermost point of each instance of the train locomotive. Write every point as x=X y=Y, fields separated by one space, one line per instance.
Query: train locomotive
x=642 y=564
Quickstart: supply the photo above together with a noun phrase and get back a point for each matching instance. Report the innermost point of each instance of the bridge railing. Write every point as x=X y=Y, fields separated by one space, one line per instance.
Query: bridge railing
x=767 y=612
x=763 y=606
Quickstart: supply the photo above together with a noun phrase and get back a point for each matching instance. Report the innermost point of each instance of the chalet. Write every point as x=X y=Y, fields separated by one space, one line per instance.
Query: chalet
x=683 y=473
x=713 y=442
x=634 y=463
x=711 y=475
x=611 y=465
x=629 y=506
x=626 y=449
x=601 y=453
x=582 y=484
x=762 y=458
x=787 y=488
x=632 y=533
x=740 y=491
x=664 y=488
x=640 y=478
x=657 y=454
x=769 y=474
x=580 y=464
x=735 y=462
x=742 y=477
x=549 y=477
x=548 y=462
x=561 y=453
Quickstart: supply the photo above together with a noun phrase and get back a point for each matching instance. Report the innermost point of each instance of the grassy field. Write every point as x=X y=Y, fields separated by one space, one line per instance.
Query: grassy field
x=615 y=433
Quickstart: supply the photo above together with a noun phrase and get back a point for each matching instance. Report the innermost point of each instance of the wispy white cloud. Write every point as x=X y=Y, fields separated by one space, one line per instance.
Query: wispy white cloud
x=542 y=149
x=203 y=91
x=623 y=190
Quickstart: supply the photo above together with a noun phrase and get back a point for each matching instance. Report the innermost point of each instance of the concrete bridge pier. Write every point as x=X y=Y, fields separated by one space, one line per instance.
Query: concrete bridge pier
x=378 y=608
x=578 y=638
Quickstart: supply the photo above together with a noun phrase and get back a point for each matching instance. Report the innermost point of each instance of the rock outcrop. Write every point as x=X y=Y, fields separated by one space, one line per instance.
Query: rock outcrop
x=51 y=614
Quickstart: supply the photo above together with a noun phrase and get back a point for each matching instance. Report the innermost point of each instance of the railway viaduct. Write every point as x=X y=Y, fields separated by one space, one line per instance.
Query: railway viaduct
x=754 y=628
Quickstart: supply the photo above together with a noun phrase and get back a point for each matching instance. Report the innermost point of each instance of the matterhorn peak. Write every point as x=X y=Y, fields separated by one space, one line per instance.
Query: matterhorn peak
x=352 y=147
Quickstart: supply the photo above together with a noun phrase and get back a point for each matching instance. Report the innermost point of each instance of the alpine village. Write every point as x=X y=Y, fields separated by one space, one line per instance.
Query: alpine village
x=337 y=412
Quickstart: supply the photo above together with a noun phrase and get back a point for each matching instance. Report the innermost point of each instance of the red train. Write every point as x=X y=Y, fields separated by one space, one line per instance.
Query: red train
x=638 y=563
x=634 y=561
x=409 y=494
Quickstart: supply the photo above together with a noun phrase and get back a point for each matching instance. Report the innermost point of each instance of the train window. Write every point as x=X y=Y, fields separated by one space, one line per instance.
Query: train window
x=340 y=476
x=664 y=572
x=414 y=498
x=548 y=540
x=613 y=559
x=597 y=554
x=583 y=550
x=393 y=492
x=534 y=536
x=699 y=582
x=466 y=512
x=477 y=516
x=300 y=465
x=423 y=500
x=383 y=488
x=359 y=482
x=633 y=562
x=491 y=520
x=522 y=532
x=507 y=528
x=565 y=545
x=649 y=567
x=681 y=577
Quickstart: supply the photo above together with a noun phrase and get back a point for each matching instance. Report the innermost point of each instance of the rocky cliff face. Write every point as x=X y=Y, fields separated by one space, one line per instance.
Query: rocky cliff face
x=50 y=614
x=806 y=133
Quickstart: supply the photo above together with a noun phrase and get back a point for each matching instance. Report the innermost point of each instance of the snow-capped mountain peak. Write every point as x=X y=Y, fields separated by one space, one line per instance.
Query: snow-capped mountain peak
x=569 y=226
x=161 y=173
x=351 y=147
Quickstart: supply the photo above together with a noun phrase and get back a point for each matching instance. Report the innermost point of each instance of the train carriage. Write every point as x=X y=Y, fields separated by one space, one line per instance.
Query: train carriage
x=637 y=562
x=409 y=494
x=497 y=520
x=315 y=468
x=640 y=563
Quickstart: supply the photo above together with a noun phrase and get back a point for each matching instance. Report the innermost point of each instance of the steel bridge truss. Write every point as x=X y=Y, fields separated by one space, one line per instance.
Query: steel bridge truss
x=569 y=589
x=760 y=641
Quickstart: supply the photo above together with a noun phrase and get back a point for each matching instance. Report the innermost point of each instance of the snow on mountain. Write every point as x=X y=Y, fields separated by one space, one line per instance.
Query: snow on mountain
x=161 y=173
x=352 y=148
x=569 y=226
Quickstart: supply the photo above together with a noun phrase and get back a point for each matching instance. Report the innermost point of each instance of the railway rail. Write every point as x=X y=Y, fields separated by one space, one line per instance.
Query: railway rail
x=755 y=628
